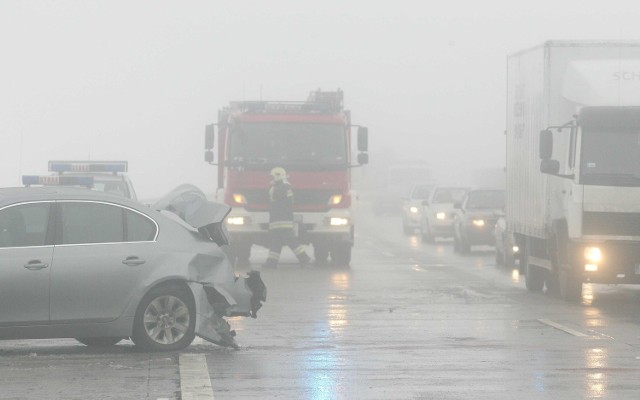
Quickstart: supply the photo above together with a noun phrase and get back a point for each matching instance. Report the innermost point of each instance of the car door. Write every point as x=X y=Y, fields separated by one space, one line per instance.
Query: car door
x=103 y=254
x=25 y=263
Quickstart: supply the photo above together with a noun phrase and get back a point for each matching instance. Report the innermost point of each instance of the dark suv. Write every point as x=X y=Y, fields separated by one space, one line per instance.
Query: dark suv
x=475 y=218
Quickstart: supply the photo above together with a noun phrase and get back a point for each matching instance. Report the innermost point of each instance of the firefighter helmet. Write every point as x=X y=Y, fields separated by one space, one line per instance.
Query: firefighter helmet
x=278 y=174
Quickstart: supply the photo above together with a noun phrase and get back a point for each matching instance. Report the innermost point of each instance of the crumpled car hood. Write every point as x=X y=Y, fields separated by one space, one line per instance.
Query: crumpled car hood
x=191 y=204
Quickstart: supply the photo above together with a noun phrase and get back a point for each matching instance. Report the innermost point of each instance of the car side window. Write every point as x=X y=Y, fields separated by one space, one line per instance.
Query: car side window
x=139 y=227
x=88 y=222
x=24 y=225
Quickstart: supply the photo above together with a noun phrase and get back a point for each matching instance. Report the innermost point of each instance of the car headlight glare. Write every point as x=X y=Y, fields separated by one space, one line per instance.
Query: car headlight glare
x=338 y=221
x=413 y=209
x=478 y=222
x=593 y=255
x=441 y=215
x=515 y=249
x=236 y=221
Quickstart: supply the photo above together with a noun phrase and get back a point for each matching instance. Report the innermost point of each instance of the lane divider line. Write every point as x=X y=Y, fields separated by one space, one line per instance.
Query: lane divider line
x=195 y=383
x=562 y=328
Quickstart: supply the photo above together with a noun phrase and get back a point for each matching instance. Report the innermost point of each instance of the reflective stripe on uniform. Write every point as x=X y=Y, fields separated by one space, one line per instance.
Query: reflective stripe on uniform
x=298 y=250
x=274 y=255
x=281 y=225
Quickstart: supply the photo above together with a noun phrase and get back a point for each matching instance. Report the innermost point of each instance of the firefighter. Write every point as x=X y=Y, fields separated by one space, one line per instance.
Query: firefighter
x=281 y=223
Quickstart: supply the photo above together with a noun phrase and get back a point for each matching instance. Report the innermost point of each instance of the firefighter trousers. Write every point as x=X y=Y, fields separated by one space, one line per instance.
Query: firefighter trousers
x=284 y=236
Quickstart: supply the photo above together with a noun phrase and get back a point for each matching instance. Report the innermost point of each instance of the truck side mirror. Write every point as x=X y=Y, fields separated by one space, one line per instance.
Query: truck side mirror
x=209 y=136
x=551 y=167
x=363 y=158
x=208 y=156
x=363 y=138
x=546 y=144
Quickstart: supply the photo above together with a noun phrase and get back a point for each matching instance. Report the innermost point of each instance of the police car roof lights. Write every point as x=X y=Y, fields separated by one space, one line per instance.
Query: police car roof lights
x=88 y=166
x=57 y=180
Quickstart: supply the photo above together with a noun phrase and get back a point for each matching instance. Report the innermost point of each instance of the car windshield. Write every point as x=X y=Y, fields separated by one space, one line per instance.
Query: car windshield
x=421 y=192
x=490 y=199
x=448 y=195
x=288 y=143
x=611 y=157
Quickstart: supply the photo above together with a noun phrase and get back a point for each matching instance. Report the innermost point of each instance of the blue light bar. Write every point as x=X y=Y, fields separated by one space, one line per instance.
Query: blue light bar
x=57 y=180
x=88 y=166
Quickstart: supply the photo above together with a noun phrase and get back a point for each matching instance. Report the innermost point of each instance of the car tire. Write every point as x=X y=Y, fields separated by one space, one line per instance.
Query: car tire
x=99 y=341
x=533 y=275
x=165 y=319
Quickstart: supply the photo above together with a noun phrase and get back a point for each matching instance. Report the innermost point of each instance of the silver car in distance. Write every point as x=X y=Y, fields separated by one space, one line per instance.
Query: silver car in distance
x=100 y=268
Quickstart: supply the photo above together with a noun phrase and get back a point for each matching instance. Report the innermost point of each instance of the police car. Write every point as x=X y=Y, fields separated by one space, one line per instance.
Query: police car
x=102 y=176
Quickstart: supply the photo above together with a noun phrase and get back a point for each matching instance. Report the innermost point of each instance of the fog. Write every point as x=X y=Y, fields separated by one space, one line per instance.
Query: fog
x=138 y=80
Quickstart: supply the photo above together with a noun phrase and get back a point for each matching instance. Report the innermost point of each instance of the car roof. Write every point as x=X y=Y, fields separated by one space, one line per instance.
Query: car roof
x=13 y=195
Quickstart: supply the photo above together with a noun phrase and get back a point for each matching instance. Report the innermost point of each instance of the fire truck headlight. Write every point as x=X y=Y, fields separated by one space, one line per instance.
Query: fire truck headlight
x=478 y=222
x=338 y=221
x=593 y=255
x=239 y=198
x=413 y=210
x=236 y=221
x=335 y=199
x=441 y=215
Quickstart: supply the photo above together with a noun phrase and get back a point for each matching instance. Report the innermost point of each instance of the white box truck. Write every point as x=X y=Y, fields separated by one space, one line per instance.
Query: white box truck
x=573 y=163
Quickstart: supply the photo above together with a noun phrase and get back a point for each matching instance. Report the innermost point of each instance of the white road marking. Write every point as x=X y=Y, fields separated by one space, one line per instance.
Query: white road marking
x=562 y=328
x=195 y=383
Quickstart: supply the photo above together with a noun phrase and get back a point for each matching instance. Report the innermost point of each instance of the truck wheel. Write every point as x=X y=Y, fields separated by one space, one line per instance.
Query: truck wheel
x=570 y=286
x=320 y=253
x=533 y=275
x=239 y=254
x=341 y=254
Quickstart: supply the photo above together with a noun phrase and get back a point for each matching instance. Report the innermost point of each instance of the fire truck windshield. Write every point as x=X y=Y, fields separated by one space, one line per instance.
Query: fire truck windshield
x=288 y=143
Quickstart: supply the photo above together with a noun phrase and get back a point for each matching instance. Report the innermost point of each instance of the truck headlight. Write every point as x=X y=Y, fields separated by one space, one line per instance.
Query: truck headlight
x=413 y=210
x=237 y=221
x=478 y=222
x=239 y=198
x=338 y=221
x=593 y=255
x=335 y=199
x=441 y=215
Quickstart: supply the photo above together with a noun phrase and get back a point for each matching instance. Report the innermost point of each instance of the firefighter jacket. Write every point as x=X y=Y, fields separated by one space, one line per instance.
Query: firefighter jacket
x=281 y=196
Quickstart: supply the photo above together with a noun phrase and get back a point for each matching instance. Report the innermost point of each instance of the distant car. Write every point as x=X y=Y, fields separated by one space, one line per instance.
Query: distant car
x=507 y=252
x=82 y=264
x=475 y=218
x=102 y=176
x=412 y=207
x=437 y=212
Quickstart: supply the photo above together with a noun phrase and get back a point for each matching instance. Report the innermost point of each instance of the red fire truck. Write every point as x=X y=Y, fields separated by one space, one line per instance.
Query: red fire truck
x=311 y=140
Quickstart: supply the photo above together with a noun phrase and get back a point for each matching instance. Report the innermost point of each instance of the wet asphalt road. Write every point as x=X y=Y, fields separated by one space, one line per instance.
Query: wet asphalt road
x=407 y=321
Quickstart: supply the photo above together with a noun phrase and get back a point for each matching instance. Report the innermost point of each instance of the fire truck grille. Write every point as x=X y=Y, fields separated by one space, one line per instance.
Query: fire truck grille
x=607 y=223
x=301 y=197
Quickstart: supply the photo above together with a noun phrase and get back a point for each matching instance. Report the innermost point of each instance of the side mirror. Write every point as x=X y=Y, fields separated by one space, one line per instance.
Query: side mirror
x=363 y=158
x=209 y=136
x=551 y=167
x=208 y=156
x=546 y=144
x=363 y=139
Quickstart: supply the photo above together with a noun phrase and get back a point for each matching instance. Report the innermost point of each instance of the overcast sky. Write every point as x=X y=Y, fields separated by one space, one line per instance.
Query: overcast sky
x=138 y=80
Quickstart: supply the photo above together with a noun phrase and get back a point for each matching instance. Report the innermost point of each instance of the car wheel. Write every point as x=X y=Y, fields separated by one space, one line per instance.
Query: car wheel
x=99 y=341
x=165 y=320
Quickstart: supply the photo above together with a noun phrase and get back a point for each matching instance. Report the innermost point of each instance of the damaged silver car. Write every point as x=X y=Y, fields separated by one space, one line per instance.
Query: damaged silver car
x=80 y=264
